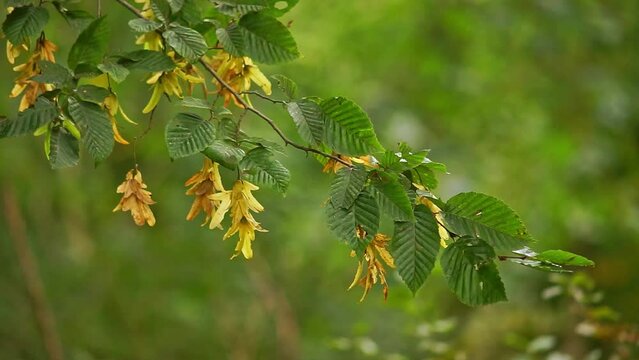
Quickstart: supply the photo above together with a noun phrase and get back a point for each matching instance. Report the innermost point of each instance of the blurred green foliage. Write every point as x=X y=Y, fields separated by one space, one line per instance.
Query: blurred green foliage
x=533 y=102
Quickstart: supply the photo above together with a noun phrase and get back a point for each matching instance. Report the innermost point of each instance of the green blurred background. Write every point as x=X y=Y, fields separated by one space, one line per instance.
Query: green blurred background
x=531 y=101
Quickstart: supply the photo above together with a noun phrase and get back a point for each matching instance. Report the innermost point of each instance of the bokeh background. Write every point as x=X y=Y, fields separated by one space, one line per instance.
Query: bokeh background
x=534 y=102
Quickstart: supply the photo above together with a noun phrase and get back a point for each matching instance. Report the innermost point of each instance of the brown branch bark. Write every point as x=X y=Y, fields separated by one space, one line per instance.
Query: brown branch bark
x=44 y=317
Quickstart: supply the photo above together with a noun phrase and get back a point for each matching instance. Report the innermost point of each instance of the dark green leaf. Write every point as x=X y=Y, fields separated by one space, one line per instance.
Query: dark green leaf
x=64 y=150
x=97 y=134
x=232 y=39
x=187 y=134
x=366 y=213
x=344 y=222
x=539 y=265
x=224 y=153
x=147 y=60
x=91 y=44
x=18 y=3
x=78 y=19
x=92 y=93
x=308 y=118
x=144 y=25
x=267 y=40
x=391 y=196
x=471 y=272
x=176 y=5
x=286 y=85
x=415 y=247
x=262 y=169
x=278 y=8
x=52 y=73
x=87 y=70
x=237 y=8
x=186 y=41
x=564 y=258
x=192 y=102
x=24 y=22
x=347 y=185
x=116 y=71
x=190 y=13
x=486 y=217
x=30 y=119
x=348 y=129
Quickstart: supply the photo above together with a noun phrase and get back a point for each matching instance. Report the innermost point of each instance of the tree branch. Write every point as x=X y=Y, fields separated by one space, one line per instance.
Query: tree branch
x=44 y=317
x=247 y=106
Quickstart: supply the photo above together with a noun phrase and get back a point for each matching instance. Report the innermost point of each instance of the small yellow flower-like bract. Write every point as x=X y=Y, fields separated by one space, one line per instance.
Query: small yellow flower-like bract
x=24 y=84
x=241 y=202
x=238 y=72
x=444 y=236
x=136 y=199
x=167 y=82
x=14 y=51
x=203 y=184
x=333 y=165
x=375 y=270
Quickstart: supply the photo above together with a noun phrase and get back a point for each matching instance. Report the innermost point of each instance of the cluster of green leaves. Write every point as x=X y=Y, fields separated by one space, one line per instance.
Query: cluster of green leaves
x=372 y=182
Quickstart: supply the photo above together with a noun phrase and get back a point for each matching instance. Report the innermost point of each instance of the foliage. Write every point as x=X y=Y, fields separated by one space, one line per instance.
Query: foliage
x=76 y=103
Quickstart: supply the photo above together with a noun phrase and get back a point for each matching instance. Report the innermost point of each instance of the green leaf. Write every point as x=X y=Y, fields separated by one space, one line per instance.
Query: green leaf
x=366 y=213
x=267 y=40
x=116 y=71
x=224 y=153
x=348 y=130
x=176 y=5
x=241 y=7
x=308 y=118
x=343 y=223
x=488 y=218
x=539 y=265
x=52 y=73
x=471 y=272
x=347 y=185
x=192 y=102
x=262 y=169
x=191 y=14
x=159 y=11
x=18 y=3
x=232 y=39
x=24 y=22
x=564 y=258
x=30 y=119
x=144 y=25
x=391 y=196
x=97 y=134
x=187 y=134
x=186 y=41
x=64 y=150
x=415 y=247
x=286 y=85
x=91 y=44
x=78 y=19
x=86 y=70
x=92 y=93
x=237 y=8
x=278 y=8
x=147 y=60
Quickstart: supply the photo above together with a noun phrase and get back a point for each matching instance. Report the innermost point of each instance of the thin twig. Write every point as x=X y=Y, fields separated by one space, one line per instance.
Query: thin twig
x=274 y=101
x=247 y=106
x=29 y=266
x=130 y=7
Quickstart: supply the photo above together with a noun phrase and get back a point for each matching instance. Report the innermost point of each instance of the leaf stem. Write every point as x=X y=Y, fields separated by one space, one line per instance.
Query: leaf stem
x=274 y=101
